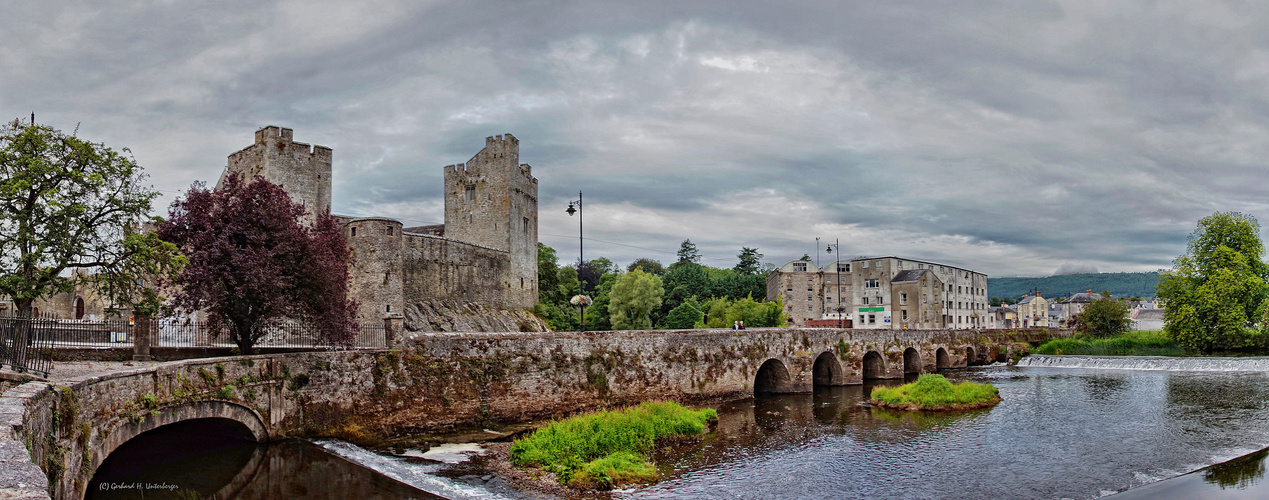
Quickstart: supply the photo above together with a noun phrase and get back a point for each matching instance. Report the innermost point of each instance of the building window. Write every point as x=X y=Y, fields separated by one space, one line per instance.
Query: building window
x=469 y=193
x=872 y=283
x=878 y=264
x=526 y=225
x=799 y=267
x=808 y=308
x=903 y=300
x=843 y=268
x=865 y=264
x=920 y=266
x=872 y=319
x=865 y=300
x=808 y=298
x=789 y=288
x=900 y=264
x=905 y=314
x=881 y=300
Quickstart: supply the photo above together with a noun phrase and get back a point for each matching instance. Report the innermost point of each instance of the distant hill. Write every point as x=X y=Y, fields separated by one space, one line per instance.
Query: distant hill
x=1119 y=284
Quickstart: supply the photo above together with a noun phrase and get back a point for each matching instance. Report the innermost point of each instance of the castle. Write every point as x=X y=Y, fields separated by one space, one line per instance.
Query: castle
x=486 y=252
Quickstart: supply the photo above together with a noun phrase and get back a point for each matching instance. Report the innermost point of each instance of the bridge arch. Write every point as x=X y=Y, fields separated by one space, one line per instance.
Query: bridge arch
x=874 y=365
x=971 y=357
x=940 y=360
x=772 y=377
x=912 y=361
x=125 y=429
x=827 y=370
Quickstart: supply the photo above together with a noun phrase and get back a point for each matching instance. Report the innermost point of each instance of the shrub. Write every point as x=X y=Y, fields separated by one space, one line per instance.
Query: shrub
x=1135 y=343
x=619 y=438
x=933 y=391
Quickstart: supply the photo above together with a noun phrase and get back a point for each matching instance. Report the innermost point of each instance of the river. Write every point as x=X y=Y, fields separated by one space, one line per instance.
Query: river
x=1059 y=433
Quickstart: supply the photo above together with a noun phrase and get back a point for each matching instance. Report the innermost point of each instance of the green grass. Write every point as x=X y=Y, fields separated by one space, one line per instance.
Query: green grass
x=934 y=392
x=605 y=449
x=1134 y=343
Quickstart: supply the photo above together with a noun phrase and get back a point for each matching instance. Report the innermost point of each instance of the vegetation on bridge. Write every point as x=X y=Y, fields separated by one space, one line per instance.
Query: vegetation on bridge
x=934 y=392
x=606 y=449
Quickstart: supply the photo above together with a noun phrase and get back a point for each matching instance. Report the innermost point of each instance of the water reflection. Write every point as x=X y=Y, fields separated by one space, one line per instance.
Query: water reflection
x=214 y=458
x=1059 y=433
x=1241 y=473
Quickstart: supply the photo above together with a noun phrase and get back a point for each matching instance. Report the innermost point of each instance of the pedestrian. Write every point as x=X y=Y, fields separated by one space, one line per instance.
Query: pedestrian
x=742 y=325
x=735 y=325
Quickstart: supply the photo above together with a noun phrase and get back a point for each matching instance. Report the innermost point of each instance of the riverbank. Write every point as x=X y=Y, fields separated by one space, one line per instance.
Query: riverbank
x=1134 y=343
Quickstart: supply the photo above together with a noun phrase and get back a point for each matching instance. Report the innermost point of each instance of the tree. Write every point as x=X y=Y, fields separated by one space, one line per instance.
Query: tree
x=749 y=261
x=1215 y=292
x=633 y=298
x=647 y=265
x=67 y=204
x=688 y=253
x=253 y=265
x=686 y=315
x=1104 y=317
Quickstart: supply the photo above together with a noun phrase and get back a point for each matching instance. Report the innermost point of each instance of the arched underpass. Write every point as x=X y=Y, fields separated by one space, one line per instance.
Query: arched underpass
x=941 y=361
x=200 y=457
x=912 y=361
x=971 y=357
x=772 y=377
x=874 y=365
x=826 y=371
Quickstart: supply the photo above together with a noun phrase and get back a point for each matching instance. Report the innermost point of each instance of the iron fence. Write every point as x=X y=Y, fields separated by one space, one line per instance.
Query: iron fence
x=183 y=332
x=26 y=344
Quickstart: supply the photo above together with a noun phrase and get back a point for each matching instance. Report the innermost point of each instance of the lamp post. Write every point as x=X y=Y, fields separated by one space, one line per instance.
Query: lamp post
x=837 y=245
x=581 y=300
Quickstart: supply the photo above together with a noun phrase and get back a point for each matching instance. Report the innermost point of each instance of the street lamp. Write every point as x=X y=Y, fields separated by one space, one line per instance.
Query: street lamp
x=581 y=300
x=837 y=245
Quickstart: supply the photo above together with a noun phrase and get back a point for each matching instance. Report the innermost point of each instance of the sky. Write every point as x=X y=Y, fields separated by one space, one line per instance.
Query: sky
x=1013 y=138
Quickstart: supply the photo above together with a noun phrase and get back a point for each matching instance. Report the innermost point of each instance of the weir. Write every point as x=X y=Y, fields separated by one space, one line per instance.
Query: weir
x=1160 y=363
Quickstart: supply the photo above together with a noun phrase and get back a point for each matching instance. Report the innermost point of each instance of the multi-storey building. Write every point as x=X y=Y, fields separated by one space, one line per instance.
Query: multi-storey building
x=881 y=292
x=1033 y=311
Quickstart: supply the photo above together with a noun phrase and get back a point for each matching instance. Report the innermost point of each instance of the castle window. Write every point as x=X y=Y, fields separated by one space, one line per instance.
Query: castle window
x=387 y=308
x=469 y=194
x=354 y=231
x=526 y=225
x=387 y=230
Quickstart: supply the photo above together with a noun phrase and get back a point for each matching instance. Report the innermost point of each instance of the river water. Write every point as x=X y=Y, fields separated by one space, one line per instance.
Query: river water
x=1059 y=433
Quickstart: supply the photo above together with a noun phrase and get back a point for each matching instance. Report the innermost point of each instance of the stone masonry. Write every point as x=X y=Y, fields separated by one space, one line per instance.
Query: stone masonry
x=485 y=253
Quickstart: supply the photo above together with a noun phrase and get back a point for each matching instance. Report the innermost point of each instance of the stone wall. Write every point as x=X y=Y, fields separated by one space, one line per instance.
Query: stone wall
x=446 y=270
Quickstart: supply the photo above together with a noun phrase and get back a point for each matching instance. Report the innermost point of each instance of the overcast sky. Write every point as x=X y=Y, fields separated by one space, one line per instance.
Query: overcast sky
x=1012 y=138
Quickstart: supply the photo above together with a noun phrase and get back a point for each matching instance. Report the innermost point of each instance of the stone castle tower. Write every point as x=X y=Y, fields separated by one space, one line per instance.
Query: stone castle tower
x=303 y=170
x=486 y=252
x=492 y=201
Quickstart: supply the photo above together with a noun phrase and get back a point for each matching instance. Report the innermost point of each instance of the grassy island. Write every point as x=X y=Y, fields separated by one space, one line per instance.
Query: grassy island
x=606 y=449
x=934 y=392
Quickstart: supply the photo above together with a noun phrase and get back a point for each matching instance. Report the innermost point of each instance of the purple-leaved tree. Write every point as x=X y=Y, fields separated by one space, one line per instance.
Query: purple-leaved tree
x=253 y=264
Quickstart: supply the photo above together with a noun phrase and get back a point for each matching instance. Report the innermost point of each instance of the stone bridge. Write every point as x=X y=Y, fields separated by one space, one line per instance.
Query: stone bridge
x=438 y=383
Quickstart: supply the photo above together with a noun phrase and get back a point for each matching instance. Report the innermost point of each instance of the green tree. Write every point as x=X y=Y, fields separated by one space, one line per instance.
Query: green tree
x=1215 y=292
x=749 y=261
x=68 y=204
x=633 y=298
x=688 y=253
x=647 y=265
x=686 y=315
x=1104 y=317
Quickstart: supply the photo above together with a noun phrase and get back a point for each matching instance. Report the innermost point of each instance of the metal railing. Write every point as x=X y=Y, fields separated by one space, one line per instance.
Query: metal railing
x=181 y=332
x=26 y=344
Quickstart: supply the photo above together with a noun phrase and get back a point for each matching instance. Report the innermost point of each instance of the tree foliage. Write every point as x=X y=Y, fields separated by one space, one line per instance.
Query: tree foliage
x=750 y=260
x=1104 y=317
x=647 y=265
x=68 y=204
x=633 y=298
x=688 y=254
x=253 y=265
x=1215 y=293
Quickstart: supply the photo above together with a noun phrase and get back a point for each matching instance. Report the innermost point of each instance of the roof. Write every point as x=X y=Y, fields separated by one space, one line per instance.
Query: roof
x=908 y=275
x=1082 y=298
x=1147 y=314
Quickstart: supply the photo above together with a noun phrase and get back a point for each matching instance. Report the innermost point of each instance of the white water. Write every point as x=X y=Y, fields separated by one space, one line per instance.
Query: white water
x=1160 y=363
x=407 y=473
